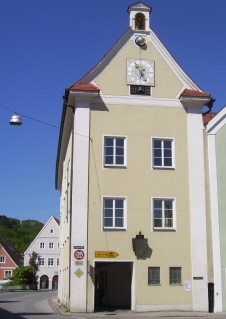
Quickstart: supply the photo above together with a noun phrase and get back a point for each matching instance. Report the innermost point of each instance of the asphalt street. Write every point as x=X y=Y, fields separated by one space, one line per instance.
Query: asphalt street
x=45 y=305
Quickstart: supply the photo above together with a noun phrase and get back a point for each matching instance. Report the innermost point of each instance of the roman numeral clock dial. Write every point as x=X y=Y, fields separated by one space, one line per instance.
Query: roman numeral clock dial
x=140 y=72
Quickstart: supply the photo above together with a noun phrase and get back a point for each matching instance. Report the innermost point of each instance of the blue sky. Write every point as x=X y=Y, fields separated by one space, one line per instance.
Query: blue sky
x=47 y=45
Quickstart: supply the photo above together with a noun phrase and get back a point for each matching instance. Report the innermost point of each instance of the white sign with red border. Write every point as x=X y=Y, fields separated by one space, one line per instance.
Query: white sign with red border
x=79 y=254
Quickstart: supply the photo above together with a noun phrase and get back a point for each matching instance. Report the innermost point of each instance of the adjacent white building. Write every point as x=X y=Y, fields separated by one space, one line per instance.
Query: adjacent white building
x=46 y=244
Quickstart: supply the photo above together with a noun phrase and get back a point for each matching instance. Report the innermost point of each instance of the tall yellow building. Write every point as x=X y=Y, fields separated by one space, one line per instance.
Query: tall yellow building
x=130 y=169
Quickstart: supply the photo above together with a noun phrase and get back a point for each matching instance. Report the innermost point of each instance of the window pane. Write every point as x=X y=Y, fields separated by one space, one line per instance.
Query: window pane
x=157 y=204
x=167 y=144
x=168 y=222
x=157 y=143
x=119 y=151
x=109 y=159
x=119 y=160
x=157 y=152
x=109 y=141
x=167 y=153
x=119 y=222
x=153 y=275
x=157 y=162
x=108 y=150
x=120 y=142
x=108 y=222
x=119 y=203
x=157 y=222
x=108 y=203
x=175 y=275
x=168 y=162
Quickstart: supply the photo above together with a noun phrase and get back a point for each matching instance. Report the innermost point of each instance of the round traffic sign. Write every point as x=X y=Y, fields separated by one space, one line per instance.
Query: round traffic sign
x=79 y=254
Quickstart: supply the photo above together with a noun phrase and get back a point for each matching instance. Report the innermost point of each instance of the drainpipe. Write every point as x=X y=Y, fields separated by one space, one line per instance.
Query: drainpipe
x=209 y=105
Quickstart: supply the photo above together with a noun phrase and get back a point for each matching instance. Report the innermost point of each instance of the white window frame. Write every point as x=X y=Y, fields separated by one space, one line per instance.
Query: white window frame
x=163 y=199
x=2 y=259
x=51 y=246
x=52 y=263
x=41 y=262
x=42 y=244
x=9 y=271
x=124 y=217
x=162 y=139
x=114 y=155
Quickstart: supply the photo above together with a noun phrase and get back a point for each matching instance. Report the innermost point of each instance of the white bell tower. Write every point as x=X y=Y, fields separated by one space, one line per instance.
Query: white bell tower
x=139 y=16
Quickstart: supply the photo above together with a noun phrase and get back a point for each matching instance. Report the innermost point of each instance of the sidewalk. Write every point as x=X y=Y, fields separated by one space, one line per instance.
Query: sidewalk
x=128 y=313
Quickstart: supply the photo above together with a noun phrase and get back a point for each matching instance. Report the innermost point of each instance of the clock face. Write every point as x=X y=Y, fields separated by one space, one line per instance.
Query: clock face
x=140 y=72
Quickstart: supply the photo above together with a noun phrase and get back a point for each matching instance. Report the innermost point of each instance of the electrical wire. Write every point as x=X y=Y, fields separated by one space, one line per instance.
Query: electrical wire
x=30 y=118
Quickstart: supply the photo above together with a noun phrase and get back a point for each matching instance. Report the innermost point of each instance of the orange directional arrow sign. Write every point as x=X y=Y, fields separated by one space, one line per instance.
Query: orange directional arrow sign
x=105 y=254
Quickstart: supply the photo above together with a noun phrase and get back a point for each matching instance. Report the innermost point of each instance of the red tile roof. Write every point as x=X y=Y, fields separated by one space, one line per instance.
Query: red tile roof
x=207 y=117
x=57 y=220
x=188 y=92
x=83 y=87
x=12 y=251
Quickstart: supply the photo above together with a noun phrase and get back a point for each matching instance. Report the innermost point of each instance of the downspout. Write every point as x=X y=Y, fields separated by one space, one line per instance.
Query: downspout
x=209 y=105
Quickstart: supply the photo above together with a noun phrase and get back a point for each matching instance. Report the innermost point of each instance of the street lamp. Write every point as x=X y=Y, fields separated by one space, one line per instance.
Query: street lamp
x=16 y=120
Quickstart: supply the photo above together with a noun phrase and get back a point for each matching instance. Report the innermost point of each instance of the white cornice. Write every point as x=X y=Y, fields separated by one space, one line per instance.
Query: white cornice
x=217 y=122
x=194 y=102
x=137 y=100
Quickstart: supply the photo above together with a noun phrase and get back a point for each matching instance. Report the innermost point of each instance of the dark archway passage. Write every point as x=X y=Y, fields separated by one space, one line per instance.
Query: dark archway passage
x=113 y=285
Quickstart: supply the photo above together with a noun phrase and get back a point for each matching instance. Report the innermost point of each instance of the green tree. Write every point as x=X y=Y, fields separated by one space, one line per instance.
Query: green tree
x=23 y=275
x=34 y=263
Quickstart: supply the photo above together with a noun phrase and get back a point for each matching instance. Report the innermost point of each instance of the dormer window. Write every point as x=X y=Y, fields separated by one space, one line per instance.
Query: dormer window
x=139 y=21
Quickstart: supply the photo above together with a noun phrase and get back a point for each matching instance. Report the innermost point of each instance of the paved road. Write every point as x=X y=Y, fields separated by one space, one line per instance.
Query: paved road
x=37 y=305
x=28 y=304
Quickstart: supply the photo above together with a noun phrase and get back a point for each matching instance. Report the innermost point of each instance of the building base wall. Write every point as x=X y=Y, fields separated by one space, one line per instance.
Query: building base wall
x=146 y=308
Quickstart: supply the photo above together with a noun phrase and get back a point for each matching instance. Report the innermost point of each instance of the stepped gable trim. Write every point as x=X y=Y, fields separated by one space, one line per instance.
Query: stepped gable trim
x=13 y=253
x=194 y=93
x=83 y=87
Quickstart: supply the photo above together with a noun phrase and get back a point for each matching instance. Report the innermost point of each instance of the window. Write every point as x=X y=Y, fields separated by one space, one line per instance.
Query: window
x=154 y=275
x=58 y=262
x=175 y=275
x=41 y=262
x=2 y=259
x=114 y=151
x=114 y=216
x=68 y=175
x=8 y=273
x=163 y=213
x=51 y=246
x=50 y=262
x=163 y=152
x=140 y=90
x=42 y=245
x=51 y=231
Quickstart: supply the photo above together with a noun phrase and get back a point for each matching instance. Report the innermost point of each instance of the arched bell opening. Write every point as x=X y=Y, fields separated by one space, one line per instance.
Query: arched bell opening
x=139 y=21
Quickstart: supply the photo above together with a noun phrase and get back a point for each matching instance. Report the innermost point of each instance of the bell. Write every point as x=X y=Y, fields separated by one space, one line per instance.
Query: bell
x=140 y=89
x=16 y=120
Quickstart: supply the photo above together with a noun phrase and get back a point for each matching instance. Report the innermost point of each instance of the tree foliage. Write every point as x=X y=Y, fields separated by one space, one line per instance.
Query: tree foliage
x=23 y=275
x=20 y=233
x=34 y=263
